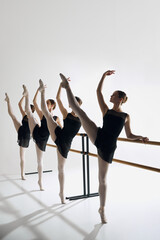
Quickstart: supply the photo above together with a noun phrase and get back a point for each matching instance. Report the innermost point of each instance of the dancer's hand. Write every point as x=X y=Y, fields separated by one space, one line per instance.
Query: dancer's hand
x=108 y=73
x=145 y=139
x=6 y=98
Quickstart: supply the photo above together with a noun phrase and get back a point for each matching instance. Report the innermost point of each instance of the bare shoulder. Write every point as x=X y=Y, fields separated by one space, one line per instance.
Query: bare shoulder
x=127 y=118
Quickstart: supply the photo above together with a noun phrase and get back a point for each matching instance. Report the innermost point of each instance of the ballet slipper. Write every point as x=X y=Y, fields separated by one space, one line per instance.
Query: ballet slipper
x=102 y=215
x=64 y=83
x=40 y=185
x=23 y=178
x=62 y=198
x=41 y=86
x=25 y=92
x=6 y=98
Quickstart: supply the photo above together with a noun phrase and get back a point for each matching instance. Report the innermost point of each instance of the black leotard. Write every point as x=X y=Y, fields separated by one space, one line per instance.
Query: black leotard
x=65 y=135
x=41 y=134
x=24 y=133
x=106 y=140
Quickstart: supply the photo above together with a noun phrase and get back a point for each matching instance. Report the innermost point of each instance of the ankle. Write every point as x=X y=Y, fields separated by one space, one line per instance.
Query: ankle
x=102 y=209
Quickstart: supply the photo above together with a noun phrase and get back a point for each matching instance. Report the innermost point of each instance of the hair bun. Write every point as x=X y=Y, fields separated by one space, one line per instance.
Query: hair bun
x=125 y=99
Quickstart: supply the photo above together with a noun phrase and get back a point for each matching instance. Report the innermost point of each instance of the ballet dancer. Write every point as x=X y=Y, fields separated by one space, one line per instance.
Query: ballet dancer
x=22 y=130
x=104 y=138
x=40 y=133
x=61 y=136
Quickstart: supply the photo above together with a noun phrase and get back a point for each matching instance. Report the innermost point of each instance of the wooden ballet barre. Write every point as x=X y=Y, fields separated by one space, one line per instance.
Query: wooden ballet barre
x=130 y=163
x=82 y=134
x=85 y=163
x=129 y=140
x=118 y=160
x=139 y=141
x=72 y=150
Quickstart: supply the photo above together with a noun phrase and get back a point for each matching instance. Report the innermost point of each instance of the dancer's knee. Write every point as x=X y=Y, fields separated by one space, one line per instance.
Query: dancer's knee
x=22 y=162
x=39 y=165
x=39 y=168
x=60 y=169
x=102 y=180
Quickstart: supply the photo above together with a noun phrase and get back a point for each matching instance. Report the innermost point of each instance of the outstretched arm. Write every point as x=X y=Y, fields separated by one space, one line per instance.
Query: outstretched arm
x=102 y=104
x=20 y=107
x=61 y=107
x=130 y=135
x=39 y=112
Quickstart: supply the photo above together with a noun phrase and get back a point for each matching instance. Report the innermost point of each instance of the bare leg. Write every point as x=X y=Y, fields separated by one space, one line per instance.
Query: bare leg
x=17 y=124
x=88 y=125
x=32 y=122
x=40 y=166
x=91 y=130
x=22 y=160
x=103 y=169
x=61 y=162
x=50 y=122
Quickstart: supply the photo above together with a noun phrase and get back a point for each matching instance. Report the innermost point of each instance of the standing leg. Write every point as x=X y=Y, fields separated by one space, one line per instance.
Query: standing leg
x=22 y=160
x=103 y=169
x=50 y=122
x=88 y=125
x=17 y=124
x=61 y=162
x=91 y=130
x=40 y=166
x=32 y=122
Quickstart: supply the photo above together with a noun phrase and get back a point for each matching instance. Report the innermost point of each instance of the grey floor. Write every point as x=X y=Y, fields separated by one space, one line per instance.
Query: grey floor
x=133 y=208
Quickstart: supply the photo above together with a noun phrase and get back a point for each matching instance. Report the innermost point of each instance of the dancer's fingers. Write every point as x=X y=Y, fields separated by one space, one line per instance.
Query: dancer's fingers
x=109 y=72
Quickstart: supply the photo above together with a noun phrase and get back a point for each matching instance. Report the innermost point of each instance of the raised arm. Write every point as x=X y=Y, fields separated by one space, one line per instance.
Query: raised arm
x=59 y=122
x=20 y=107
x=61 y=107
x=39 y=112
x=130 y=135
x=102 y=104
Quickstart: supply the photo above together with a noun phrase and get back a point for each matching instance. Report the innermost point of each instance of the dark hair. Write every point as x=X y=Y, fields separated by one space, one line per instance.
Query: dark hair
x=32 y=108
x=122 y=95
x=78 y=100
x=52 y=103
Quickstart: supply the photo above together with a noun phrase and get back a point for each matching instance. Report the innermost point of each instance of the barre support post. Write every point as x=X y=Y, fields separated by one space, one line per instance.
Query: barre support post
x=85 y=164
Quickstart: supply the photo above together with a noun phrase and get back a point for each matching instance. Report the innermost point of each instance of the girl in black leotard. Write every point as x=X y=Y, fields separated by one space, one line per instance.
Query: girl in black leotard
x=104 y=138
x=22 y=130
x=40 y=133
x=71 y=126
x=61 y=136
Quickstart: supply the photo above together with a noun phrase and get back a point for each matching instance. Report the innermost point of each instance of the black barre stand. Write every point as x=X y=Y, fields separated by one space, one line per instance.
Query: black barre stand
x=85 y=165
x=46 y=171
